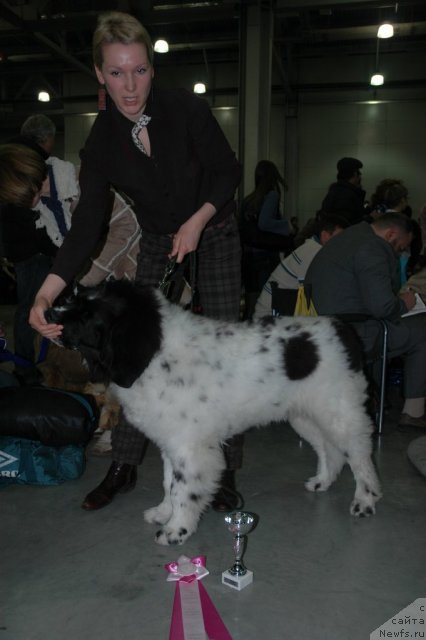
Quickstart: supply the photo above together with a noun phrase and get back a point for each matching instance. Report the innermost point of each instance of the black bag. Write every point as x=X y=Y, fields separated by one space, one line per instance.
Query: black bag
x=51 y=416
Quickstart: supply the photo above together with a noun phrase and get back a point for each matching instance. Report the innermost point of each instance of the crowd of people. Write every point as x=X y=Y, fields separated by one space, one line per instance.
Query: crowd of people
x=163 y=152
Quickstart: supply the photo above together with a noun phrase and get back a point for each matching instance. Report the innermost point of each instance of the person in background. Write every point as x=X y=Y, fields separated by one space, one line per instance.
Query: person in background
x=263 y=203
x=166 y=151
x=357 y=272
x=264 y=232
x=30 y=237
x=391 y=194
x=56 y=204
x=290 y=273
x=117 y=253
x=25 y=245
x=346 y=196
x=7 y=379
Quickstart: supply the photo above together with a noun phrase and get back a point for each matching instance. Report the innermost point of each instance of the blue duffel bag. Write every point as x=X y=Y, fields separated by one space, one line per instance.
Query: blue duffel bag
x=43 y=434
x=25 y=461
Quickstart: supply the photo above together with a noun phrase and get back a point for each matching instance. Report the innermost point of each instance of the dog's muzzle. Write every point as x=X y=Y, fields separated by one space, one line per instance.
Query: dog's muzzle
x=52 y=316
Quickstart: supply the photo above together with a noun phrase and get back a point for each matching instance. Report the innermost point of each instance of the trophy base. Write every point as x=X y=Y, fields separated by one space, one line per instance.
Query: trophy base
x=237 y=582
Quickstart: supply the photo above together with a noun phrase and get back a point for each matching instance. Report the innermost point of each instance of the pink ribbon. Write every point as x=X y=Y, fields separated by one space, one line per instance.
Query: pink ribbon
x=185 y=572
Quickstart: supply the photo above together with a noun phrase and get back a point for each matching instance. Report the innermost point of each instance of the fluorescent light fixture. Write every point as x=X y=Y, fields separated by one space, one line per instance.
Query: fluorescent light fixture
x=161 y=46
x=385 y=31
x=43 y=96
x=377 y=80
x=199 y=87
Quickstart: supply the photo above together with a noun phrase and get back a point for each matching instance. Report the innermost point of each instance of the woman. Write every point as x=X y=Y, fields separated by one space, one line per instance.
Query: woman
x=166 y=152
x=263 y=204
x=264 y=232
x=25 y=244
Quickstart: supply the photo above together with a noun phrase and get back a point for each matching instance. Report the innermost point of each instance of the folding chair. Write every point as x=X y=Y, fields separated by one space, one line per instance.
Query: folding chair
x=283 y=301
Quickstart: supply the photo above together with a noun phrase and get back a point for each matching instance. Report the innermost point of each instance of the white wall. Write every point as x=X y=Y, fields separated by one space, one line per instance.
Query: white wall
x=389 y=139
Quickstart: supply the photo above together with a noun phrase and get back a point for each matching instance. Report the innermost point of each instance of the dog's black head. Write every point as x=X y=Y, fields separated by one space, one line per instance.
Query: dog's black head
x=115 y=326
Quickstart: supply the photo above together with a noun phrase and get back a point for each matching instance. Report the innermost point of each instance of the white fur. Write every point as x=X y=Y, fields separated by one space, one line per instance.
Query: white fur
x=211 y=380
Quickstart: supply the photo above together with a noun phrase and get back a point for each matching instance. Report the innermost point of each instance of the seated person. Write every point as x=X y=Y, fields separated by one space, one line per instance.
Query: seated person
x=292 y=269
x=392 y=195
x=357 y=272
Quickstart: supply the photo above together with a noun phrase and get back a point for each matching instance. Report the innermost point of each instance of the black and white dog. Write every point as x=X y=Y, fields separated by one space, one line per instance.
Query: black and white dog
x=190 y=383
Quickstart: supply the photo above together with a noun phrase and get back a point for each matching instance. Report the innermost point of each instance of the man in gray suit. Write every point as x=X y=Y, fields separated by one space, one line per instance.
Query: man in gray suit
x=357 y=272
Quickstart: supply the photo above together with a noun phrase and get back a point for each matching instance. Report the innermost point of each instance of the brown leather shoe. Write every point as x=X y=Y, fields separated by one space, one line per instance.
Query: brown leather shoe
x=119 y=479
x=408 y=421
x=227 y=498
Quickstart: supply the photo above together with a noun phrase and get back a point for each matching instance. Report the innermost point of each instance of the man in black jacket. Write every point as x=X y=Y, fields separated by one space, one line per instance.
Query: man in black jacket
x=346 y=196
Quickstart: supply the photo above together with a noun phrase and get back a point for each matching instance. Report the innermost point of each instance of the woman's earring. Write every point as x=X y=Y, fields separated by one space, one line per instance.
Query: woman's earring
x=102 y=99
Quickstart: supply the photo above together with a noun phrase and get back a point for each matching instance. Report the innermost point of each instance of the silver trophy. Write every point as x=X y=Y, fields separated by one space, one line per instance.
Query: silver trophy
x=239 y=523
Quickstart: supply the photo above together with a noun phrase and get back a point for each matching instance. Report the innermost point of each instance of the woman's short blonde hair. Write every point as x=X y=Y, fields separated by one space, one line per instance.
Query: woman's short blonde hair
x=115 y=26
x=22 y=173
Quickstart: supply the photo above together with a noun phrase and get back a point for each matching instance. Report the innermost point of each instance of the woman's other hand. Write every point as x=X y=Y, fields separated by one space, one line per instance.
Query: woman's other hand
x=186 y=239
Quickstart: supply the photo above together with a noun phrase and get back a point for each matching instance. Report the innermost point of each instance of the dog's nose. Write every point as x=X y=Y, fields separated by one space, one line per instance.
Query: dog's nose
x=52 y=315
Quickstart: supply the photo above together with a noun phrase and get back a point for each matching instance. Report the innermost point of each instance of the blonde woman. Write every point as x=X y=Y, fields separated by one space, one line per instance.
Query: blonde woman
x=164 y=150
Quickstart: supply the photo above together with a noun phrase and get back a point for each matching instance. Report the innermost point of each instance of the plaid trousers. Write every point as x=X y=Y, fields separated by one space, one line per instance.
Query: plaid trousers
x=219 y=288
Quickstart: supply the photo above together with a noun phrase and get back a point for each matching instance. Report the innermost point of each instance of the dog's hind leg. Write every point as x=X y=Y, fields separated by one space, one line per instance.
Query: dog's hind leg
x=367 y=490
x=195 y=477
x=330 y=459
x=162 y=513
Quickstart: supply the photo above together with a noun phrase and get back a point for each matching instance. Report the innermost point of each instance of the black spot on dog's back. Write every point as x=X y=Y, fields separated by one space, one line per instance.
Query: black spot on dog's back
x=300 y=356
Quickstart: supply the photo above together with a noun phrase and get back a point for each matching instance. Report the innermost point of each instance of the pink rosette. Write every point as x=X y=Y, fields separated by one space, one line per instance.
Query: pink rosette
x=194 y=615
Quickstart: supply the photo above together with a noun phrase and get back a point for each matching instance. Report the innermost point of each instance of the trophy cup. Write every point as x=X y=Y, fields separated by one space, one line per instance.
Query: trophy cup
x=239 y=523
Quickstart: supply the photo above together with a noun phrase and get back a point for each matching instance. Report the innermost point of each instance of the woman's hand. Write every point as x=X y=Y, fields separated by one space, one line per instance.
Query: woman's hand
x=39 y=322
x=186 y=239
x=50 y=289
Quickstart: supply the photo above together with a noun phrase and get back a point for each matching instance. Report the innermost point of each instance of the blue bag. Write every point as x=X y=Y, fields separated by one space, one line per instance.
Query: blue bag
x=43 y=434
x=24 y=461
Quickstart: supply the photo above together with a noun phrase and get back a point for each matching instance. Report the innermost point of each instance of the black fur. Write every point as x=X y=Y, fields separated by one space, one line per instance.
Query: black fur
x=300 y=356
x=105 y=304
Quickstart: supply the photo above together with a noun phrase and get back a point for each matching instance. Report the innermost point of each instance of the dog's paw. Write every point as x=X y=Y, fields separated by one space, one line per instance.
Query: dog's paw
x=158 y=515
x=362 y=508
x=317 y=483
x=167 y=536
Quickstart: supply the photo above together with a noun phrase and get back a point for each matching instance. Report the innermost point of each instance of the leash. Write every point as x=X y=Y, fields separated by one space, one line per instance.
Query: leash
x=8 y=356
x=173 y=281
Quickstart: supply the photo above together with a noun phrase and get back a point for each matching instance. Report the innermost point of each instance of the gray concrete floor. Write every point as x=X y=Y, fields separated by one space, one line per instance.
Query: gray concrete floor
x=319 y=574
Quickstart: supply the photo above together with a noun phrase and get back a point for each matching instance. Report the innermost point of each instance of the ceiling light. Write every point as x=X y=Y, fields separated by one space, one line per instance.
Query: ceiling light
x=43 y=96
x=199 y=87
x=385 y=31
x=377 y=80
x=161 y=46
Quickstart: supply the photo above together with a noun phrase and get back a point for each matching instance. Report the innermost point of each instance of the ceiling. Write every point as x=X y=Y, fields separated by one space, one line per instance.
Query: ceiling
x=50 y=40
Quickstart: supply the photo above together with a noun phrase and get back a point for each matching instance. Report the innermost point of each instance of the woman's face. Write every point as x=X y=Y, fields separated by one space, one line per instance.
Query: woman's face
x=127 y=76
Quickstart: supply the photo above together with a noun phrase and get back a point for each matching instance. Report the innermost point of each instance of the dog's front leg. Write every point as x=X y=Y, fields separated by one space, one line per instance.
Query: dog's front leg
x=196 y=475
x=162 y=513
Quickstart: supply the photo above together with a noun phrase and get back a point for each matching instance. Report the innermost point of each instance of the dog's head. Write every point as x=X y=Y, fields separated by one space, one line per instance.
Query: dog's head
x=115 y=326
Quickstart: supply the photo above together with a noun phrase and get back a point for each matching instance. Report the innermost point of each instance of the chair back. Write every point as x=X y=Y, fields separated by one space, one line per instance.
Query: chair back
x=283 y=301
